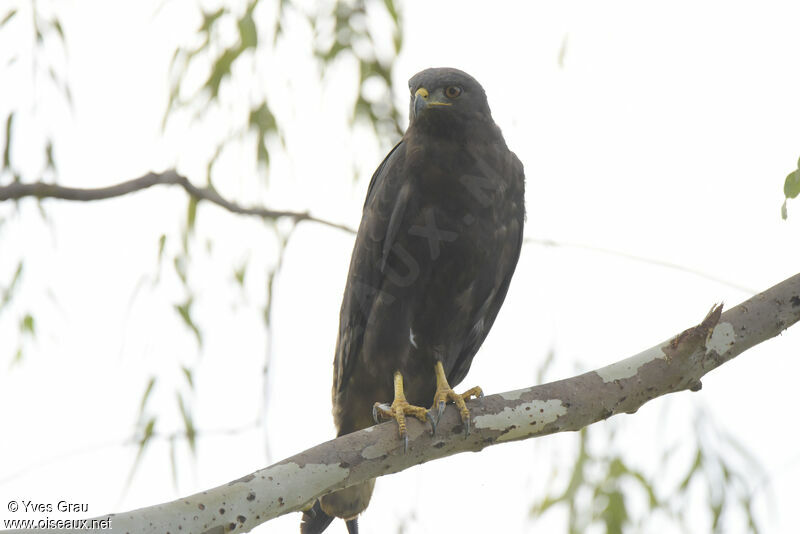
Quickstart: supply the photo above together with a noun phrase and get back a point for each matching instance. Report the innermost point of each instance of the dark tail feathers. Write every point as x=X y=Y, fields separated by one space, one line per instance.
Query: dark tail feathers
x=315 y=521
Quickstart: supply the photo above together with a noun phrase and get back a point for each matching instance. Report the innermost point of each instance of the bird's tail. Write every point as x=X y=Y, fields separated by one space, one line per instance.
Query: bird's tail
x=315 y=520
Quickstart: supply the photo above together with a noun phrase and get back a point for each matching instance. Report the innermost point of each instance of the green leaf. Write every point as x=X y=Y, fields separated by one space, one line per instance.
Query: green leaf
x=615 y=514
x=188 y=424
x=161 y=242
x=392 y=9
x=147 y=434
x=48 y=152
x=180 y=268
x=27 y=325
x=651 y=494
x=191 y=213
x=144 y=440
x=187 y=373
x=209 y=19
x=263 y=122
x=698 y=462
x=17 y=359
x=57 y=25
x=147 y=391
x=8 y=17
x=791 y=187
x=8 y=293
x=184 y=310
x=7 y=148
x=247 y=30
x=221 y=69
x=239 y=272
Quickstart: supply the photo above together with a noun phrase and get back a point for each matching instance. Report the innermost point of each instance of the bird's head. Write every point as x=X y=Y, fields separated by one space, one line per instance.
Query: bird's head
x=446 y=97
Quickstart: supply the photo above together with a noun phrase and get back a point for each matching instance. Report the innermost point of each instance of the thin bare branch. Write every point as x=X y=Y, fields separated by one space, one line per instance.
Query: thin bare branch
x=643 y=259
x=41 y=190
x=566 y=405
x=17 y=190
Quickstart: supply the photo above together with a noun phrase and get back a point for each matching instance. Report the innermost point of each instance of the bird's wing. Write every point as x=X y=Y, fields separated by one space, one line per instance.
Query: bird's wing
x=378 y=174
x=486 y=312
x=384 y=207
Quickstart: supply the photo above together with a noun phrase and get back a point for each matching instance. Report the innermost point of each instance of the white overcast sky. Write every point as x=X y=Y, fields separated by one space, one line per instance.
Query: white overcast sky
x=667 y=134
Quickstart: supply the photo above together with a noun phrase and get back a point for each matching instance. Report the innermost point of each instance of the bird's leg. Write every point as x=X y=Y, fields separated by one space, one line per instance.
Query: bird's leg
x=445 y=393
x=398 y=410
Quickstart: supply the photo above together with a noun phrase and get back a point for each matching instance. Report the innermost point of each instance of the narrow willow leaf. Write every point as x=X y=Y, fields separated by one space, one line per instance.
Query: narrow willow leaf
x=187 y=373
x=191 y=213
x=144 y=440
x=221 y=69
x=184 y=310
x=392 y=10
x=161 y=242
x=698 y=462
x=238 y=274
x=48 y=152
x=180 y=268
x=8 y=292
x=8 y=17
x=57 y=25
x=27 y=325
x=188 y=424
x=17 y=359
x=791 y=187
x=247 y=29
x=7 y=147
x=147 y=391
x=209 y=19
x=615 y=514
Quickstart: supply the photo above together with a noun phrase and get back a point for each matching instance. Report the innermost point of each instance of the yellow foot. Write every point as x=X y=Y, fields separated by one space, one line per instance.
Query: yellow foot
x=445 y=393
x=398 y=410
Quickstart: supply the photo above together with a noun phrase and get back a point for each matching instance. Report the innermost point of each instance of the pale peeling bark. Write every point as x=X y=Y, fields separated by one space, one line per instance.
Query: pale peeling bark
x=571 y=404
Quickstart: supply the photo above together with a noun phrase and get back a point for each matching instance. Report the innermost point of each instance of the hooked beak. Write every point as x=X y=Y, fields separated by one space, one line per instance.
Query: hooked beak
x=420 y=100
x=423 y=100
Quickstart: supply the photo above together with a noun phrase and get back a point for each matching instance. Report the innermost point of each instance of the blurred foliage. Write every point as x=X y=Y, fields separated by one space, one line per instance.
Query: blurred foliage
x=791 y=188
x=231 y=49
x=605 y=493
x=39 y=54
x=352 y=35
x=342 y=28
x=341 y=31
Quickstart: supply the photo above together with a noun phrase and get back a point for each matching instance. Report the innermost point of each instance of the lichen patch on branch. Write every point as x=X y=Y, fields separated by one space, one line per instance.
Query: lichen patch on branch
x=294 y=477
x=523 y=419
x=630 y=366
x=722 y=339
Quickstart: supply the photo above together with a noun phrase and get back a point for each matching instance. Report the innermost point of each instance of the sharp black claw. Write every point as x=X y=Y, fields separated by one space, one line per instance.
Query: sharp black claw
x=405 y=443
x=466 y=428
x=375 y=413
x=480 y=394
x=440 y=410
x=430 y=417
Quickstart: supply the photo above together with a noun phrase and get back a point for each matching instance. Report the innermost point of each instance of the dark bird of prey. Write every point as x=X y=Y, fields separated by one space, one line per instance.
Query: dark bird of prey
x=438 y=243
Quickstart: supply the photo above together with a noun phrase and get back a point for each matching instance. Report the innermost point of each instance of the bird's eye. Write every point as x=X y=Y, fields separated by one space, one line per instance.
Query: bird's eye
x=452 y=91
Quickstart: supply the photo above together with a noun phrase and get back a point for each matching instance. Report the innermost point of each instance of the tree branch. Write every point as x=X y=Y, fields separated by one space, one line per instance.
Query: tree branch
x=17 y=190
x=566 y=405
